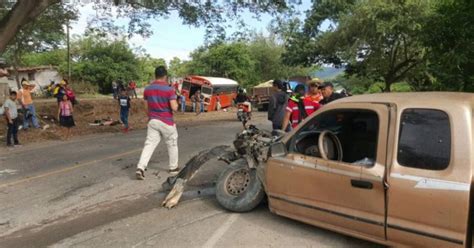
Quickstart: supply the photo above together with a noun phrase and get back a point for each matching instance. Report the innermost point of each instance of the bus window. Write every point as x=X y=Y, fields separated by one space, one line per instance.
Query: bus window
x=206 y=90
x=186 y=86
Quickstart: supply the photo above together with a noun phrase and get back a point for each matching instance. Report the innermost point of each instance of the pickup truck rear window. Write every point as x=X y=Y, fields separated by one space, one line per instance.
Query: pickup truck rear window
x=425 y=139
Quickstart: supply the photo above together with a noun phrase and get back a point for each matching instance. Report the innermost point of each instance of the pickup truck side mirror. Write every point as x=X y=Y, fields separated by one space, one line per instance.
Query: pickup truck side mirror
x=278 y=149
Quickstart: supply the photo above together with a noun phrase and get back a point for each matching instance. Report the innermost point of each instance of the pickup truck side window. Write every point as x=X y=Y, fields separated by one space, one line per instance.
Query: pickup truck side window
x=425 y=139
x=357 y=130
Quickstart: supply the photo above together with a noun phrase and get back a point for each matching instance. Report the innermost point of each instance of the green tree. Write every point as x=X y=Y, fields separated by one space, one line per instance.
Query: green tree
x=55 y=57
x=41 y=35
x=250 y=62
x=147 y=67
x=100 y=61
x=268 y=56
x=223 y=60
x=449 y=38
x=374 y=39
x=178 y=68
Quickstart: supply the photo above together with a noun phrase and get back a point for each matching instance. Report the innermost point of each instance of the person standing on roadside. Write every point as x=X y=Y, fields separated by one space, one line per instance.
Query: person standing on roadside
x=277 y=105
x=327 y=89
x=314 y=92
x=182 y=100
x=60 y=91
x=70 y=94
x=161 y=103
x=65 y=118
x=132 y=86
x=195 y=99
x=218 y=102
x=115 y=89
x=124 y=103
x=298 y=108
x=27 y=103
x=11 y=115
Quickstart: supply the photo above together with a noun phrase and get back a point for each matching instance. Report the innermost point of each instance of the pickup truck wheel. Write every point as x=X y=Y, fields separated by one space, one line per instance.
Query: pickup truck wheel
x=238 y=188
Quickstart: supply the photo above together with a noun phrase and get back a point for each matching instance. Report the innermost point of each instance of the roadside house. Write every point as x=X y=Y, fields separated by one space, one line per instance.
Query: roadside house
x=40 y=76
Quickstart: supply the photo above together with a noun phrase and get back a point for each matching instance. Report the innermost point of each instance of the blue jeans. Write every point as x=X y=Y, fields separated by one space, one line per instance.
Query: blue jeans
x=32 y=115
x=12 y=132
x=124 y=116
x=201 y=106
x=183 y=103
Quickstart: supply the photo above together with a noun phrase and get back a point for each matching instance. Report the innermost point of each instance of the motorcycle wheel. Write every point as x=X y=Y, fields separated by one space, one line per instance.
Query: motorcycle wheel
x=238 y=188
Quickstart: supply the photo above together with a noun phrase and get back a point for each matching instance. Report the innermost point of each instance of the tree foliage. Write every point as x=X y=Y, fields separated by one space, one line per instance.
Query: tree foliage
x=57 y=57
x=249 y=62
x=46 y=33
x=101 y=61
x=374 y=39
x=449 y=38
x=146 y=66
x=427 y=44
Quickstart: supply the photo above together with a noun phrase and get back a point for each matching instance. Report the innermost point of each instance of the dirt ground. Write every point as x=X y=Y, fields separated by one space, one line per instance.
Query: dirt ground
x=90 y=110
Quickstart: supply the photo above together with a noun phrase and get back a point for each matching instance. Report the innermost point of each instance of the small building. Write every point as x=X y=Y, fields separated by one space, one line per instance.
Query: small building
x=41 y=76
x=4 y=92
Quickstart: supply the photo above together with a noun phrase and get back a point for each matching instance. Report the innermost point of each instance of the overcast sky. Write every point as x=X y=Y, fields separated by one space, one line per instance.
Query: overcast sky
x=170 y=37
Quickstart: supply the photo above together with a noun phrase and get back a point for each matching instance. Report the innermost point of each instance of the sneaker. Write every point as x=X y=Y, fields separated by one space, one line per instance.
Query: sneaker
x=18 y=145
x=140 y=174
x=173 y=172
x=125 y=130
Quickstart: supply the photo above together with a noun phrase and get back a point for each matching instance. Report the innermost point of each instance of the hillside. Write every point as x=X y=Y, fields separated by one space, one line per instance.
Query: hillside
x=327 y=73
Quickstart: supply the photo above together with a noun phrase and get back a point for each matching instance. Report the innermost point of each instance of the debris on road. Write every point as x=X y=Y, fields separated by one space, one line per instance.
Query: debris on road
x=105 y=122
x=251 y=147
x=177 y=183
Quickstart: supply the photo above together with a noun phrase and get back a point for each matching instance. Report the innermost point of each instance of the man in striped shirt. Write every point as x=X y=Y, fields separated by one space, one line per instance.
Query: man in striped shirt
x=161 y=103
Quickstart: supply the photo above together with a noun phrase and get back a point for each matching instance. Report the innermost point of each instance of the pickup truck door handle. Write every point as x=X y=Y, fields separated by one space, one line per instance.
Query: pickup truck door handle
x=361 y=184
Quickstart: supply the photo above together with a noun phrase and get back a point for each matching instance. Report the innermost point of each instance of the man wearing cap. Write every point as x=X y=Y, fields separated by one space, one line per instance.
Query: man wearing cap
x=26 y=102
x=327 y=90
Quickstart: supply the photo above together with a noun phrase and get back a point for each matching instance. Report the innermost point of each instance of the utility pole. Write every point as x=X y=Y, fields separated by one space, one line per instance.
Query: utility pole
x=68 y=52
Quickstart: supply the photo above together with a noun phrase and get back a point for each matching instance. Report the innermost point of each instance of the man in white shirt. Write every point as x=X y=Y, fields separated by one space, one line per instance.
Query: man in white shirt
x=11 y=115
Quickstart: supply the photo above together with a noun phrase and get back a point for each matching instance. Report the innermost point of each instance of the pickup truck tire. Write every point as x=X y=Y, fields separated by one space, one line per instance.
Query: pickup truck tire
x=238 y=188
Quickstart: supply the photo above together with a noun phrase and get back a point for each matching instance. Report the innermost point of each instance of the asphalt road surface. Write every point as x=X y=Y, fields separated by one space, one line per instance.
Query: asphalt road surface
x=83 y=193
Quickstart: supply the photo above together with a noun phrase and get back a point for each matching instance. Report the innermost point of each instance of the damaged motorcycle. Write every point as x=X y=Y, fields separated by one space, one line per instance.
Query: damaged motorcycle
x=239 y=187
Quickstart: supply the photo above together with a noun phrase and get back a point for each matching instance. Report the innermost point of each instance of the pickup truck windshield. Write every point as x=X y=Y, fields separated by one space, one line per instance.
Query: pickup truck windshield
x=357 y=129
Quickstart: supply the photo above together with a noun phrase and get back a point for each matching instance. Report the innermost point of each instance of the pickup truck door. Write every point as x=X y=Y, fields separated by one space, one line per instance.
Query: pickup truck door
x=429 y=181
x=342 y=195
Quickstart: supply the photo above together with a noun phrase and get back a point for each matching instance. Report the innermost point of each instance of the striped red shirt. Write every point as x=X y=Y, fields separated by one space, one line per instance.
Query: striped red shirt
x=158 y=96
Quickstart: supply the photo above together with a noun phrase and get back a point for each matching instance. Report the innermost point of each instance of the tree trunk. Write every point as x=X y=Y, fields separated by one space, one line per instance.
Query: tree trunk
x=388 y=85
x=23 y=12
x=15 y=68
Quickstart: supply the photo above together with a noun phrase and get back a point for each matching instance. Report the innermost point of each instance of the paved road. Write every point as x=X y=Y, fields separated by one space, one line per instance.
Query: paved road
x=82 y=193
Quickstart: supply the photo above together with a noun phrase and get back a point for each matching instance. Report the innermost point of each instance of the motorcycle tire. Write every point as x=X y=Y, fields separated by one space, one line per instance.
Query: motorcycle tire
x=238 y=188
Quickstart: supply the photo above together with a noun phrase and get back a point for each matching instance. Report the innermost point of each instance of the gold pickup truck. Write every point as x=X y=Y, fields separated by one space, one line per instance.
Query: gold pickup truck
x=395 y=169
